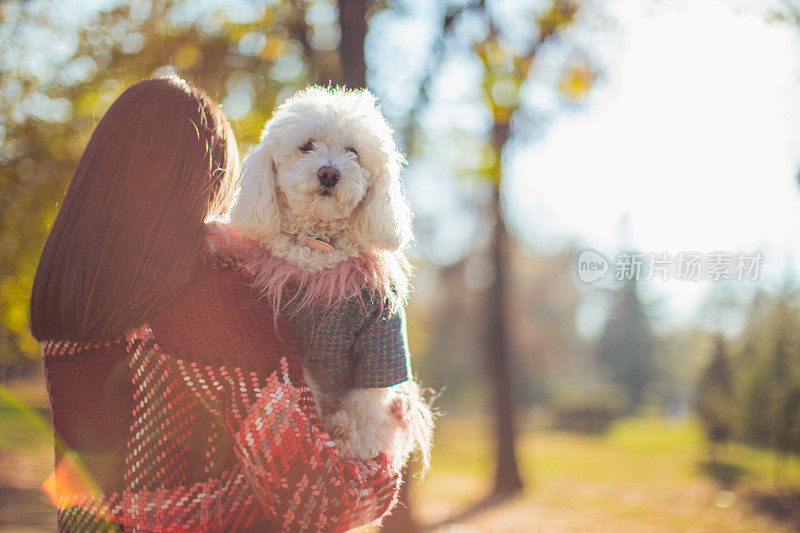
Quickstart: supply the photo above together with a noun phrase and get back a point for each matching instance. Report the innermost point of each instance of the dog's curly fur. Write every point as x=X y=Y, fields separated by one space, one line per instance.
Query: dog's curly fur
x=281 y=200
x=365 y=217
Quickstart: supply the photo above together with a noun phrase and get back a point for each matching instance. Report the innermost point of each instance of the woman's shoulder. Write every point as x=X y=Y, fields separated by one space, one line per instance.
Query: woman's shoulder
x=220 y=320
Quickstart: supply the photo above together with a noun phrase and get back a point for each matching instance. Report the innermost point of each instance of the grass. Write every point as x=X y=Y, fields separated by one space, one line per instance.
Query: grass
x=646 y=474
x=26 y=458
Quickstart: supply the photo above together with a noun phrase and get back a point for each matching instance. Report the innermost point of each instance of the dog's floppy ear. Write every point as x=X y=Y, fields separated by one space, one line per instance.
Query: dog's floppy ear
x=255 y=211
x=383 y=221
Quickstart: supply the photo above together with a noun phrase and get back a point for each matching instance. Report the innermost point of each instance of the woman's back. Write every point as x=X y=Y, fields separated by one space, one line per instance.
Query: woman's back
x=195 y=418
x=193 y=413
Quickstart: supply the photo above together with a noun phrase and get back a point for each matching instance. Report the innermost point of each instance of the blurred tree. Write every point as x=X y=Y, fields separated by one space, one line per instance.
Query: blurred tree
x=715 y=398
x=751 y=379
x=783 y=367
x=353 y=22
x=767 y=375
x=546 y=345
x=505 y=58
x=506 y=68
x=627 y=345
x=69 y=64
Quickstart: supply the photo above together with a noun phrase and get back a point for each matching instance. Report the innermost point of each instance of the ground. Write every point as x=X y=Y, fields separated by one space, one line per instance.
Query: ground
x=646 y=474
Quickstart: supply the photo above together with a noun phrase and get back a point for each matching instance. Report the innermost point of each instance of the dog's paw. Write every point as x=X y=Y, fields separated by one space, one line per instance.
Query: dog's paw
x=411 y=410
x=340 y=426
x=362 y=430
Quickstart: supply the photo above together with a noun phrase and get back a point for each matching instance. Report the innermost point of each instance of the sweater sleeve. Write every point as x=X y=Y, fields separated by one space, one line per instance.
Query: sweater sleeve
x=380 y=350
x=241 y=365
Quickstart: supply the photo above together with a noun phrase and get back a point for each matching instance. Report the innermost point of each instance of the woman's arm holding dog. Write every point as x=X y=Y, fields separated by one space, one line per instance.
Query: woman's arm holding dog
x=296 y=471
x=249 y=377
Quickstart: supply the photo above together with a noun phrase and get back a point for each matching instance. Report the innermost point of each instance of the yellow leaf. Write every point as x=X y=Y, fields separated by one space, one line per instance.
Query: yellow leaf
x=187 y=57
x=272 y=48
x=577 y=81
x=502 y=114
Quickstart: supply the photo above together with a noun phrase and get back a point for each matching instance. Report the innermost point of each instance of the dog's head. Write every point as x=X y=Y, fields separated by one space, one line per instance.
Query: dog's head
x=325 y=157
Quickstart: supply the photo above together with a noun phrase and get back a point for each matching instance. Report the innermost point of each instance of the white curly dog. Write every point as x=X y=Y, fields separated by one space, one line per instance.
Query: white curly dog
x=321 y=188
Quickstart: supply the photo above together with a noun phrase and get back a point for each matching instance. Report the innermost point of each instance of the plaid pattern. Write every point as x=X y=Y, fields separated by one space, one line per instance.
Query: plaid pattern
x=203 y=428
x=359 y=342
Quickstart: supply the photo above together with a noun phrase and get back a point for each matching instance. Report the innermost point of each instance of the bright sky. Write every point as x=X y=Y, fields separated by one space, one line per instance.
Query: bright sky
x=693 y=133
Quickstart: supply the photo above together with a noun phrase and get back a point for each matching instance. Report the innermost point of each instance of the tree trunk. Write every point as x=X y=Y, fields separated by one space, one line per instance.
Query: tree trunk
x=507 y=477
x=353 y=25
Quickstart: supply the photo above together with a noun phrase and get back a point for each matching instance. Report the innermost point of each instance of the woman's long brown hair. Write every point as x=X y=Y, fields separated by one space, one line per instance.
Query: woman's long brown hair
x=129 y=236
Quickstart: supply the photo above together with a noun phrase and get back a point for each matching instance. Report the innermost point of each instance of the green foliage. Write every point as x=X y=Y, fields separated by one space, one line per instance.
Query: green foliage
x=768 y=373
x=627 y=345
x=588 y=409
x=715 y=395
x=54 y=91
x=754 y=396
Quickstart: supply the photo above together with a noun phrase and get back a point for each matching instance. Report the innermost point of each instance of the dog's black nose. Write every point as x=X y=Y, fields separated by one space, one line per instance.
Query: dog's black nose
x=328 y=176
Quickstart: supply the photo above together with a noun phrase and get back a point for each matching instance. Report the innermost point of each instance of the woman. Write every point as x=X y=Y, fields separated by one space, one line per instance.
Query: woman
x=178 y=403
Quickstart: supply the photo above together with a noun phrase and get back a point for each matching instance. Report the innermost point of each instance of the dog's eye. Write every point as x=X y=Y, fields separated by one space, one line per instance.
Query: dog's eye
x=308 y=146
x=352 y=150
